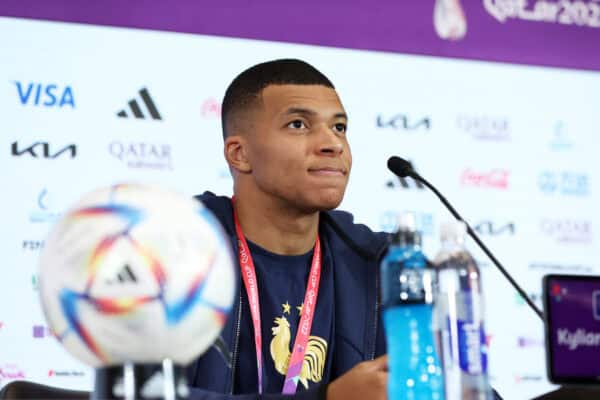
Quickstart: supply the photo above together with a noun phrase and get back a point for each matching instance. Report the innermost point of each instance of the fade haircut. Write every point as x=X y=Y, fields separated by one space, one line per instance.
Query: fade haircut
x=245 y=89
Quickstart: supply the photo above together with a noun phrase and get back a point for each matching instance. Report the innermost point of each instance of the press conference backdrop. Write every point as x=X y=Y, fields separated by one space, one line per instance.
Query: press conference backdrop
x=513 y=146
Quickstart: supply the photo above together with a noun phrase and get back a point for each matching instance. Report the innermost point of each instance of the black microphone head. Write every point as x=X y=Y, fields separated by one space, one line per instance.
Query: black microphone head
x=400 y=167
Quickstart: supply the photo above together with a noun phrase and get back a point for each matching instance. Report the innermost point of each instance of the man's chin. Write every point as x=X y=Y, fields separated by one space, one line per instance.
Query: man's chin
x=328 y=201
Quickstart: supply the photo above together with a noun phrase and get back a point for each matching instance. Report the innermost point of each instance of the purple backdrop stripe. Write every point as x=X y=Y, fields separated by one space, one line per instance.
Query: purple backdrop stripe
x=404 y=26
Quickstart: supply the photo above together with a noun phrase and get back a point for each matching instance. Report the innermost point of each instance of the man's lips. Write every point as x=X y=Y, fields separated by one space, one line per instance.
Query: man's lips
x=328 y=171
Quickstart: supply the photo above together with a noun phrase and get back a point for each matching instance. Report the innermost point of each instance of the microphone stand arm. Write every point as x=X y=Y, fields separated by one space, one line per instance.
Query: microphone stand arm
x=483 y=247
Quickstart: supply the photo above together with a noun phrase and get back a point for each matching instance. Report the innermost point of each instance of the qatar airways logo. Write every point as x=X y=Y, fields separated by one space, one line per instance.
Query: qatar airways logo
x=482 y=127
x=142 y=155
x=567 y=230
x=578 y=338
x=493 y=179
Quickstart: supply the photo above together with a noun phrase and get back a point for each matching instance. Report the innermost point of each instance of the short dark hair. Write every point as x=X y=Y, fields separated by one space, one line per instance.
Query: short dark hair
x=247 y=86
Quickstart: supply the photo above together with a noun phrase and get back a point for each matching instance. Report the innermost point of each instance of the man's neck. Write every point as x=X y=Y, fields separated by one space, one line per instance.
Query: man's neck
x=276 y=227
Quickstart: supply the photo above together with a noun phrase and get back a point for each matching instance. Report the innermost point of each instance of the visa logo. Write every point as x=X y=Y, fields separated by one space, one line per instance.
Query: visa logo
x=39 y=94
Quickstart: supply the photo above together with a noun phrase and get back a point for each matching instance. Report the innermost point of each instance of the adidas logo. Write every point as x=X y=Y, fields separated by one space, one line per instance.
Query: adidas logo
x=136 y=111
x=124 y=275
x=405 y=183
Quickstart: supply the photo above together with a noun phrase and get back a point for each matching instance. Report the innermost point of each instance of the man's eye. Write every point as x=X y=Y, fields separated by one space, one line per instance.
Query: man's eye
x=340 y=127
x=296 y=124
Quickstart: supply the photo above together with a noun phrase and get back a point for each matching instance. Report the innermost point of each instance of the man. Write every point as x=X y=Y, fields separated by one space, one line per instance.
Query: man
x=307 y=321
x=284 y=129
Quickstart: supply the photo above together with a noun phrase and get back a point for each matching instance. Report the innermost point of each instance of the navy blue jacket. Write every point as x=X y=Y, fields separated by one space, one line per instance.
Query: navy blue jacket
x=359 y=334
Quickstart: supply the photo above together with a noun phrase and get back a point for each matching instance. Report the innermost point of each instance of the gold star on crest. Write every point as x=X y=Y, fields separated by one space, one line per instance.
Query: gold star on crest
x=286 y=308
x=299 y=308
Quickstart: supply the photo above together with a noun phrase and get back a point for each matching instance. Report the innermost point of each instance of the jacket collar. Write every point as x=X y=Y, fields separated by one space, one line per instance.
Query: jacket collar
x=358 y=236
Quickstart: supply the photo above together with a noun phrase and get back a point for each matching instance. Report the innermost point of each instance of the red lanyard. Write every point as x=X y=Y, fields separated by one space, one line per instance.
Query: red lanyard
x=308 y=310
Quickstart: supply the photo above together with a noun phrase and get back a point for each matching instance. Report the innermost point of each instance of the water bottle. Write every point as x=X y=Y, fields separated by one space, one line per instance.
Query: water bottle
x=407 y=295
x=459 y=314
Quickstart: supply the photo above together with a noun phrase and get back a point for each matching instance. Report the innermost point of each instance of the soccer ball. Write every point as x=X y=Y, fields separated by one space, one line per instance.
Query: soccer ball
x=137 y=274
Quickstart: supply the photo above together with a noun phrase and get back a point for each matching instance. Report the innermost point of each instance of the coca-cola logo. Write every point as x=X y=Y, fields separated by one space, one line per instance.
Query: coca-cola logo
x=494 y=179
x=567 y=230
x=11 y=372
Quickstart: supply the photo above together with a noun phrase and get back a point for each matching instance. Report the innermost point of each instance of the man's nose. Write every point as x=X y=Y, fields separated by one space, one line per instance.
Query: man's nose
x=330 y=143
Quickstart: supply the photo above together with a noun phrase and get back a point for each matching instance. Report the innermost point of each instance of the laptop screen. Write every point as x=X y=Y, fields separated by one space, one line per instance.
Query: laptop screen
x=572 y=306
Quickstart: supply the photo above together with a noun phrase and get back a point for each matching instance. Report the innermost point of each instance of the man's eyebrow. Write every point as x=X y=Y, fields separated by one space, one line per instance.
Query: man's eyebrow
x=309 y=112
x=299 y=110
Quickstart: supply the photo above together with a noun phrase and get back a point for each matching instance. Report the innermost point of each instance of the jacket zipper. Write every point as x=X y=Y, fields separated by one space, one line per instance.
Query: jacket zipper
x=235 y=347
x=376 y=314
x=377 y=301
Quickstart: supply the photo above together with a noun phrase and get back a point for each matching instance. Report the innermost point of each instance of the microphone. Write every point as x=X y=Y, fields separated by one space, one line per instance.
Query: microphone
x=403 y=168
x=400 y=166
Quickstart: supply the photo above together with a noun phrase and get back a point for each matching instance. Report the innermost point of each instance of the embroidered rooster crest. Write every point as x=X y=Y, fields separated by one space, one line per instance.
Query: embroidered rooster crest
x=314 y=358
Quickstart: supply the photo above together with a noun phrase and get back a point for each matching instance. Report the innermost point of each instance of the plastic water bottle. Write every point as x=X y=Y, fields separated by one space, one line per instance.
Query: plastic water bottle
x=407 y=293
x=459 y=314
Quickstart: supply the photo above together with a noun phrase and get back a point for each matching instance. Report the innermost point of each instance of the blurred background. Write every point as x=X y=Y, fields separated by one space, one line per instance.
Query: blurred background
x=497 y=102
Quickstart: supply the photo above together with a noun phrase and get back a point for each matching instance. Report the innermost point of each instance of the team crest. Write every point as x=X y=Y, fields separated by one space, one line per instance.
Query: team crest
x=314 y=358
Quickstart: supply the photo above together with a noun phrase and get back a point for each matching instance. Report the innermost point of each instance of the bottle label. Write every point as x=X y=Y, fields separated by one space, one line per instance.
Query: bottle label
x=402 y=283
x=472 y=355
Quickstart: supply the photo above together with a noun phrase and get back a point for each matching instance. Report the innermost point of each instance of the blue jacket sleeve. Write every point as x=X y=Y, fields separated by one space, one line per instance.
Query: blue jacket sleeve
x=315 y=393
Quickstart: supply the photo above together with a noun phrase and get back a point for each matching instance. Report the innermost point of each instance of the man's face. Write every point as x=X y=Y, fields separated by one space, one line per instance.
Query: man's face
x=298 y=150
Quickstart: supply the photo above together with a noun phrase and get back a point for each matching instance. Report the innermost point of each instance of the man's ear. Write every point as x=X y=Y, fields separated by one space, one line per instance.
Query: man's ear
x=235 y=150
